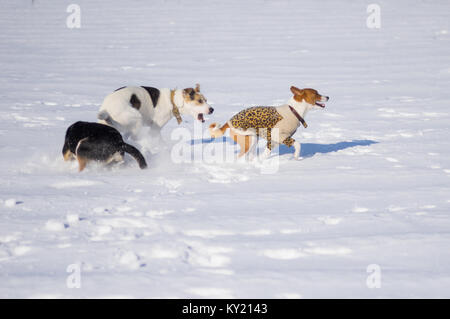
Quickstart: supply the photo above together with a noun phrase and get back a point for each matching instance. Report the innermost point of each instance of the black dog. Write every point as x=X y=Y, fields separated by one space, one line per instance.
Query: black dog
x=93 y=141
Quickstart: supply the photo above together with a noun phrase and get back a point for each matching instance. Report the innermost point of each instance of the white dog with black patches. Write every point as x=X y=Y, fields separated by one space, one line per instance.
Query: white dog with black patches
x=131 y=108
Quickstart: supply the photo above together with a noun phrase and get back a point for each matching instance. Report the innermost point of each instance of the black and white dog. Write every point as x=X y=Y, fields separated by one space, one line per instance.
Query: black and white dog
x=130 y=108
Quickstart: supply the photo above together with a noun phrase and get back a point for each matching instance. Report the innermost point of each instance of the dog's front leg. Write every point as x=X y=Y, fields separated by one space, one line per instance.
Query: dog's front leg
x=155 y=134
x=291 y=142
x=251 y=151
x=297 y=148
x=266 y=153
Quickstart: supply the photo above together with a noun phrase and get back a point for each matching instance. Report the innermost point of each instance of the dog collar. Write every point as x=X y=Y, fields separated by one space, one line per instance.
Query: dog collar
x=175 y=110
x=298 y=116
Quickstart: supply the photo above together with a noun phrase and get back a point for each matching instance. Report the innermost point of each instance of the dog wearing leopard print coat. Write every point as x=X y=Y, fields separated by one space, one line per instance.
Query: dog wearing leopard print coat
x=275 y=124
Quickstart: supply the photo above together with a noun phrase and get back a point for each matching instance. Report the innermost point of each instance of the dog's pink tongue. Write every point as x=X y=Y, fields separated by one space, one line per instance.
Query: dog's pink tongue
x=200 y=117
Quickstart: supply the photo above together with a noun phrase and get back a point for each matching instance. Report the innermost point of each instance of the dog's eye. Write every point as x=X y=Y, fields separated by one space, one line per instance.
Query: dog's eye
x=200 y=101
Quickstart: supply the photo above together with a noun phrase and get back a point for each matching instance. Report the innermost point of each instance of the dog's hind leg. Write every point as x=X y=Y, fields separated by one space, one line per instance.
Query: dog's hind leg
x=251 y=151
x=81 y=163
x=267 y=133
x=67 y=154
x=244 y=142
x=82 y=148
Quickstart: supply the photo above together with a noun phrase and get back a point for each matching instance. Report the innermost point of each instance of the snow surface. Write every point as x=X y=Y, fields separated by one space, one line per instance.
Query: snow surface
x=373 y=187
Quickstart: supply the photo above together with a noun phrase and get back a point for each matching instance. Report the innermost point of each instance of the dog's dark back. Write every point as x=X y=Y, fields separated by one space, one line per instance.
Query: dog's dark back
x=100 y=142
x=81 y=130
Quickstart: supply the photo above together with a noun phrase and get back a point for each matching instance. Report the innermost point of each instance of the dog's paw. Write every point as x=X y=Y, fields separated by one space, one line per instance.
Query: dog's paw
x=264 y=155
x=250 y=156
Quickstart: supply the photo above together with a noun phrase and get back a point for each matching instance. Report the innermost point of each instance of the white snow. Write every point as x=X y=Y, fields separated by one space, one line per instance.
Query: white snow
x=10 y=202
x=373 y=187
x=54 y=225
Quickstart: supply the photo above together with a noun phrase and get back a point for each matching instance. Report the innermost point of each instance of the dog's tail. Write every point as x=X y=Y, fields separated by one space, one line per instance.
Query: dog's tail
x=215 y=131
x=104 y=116
x=133 y=151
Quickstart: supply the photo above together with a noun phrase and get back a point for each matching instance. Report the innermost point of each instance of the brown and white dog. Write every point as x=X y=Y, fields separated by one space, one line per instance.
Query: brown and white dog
x=130 y=108
x=276 y=124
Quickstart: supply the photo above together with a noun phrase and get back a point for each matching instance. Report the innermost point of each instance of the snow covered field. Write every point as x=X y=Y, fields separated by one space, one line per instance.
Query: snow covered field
x=372 y=192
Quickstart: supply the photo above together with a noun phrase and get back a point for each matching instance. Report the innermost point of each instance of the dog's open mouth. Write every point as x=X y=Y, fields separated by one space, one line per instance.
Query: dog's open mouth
x=200 y=117
x=320 y=104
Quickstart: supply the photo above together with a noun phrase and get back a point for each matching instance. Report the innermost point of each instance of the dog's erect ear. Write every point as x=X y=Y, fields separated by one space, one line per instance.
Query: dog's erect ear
x=190 y=92
x=197 y=88
x=296 y=91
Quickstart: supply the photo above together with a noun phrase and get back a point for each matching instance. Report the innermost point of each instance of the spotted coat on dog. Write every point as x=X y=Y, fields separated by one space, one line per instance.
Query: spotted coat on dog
x=261 y=118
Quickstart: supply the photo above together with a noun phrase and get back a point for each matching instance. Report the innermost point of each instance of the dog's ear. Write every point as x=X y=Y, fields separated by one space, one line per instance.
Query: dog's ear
x=190 y=92
x=197 y=88
x=296 y=91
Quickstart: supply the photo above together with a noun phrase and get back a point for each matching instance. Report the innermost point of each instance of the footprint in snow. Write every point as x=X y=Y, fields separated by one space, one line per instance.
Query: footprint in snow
x=327 y=220
x=199 y=254
x=12 y=202
x=172 y=185
x=55 y=225
x=130 y=260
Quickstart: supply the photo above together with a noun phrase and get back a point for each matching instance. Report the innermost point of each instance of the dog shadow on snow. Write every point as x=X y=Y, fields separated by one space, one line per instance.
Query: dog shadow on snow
x=310 y=149
x=307 y=149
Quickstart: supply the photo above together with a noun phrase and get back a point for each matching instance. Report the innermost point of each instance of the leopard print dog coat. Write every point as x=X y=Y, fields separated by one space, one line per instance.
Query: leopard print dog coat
x=262 y=119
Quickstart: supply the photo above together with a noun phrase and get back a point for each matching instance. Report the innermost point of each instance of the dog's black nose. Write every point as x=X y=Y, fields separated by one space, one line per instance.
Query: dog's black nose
x=211 y=110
